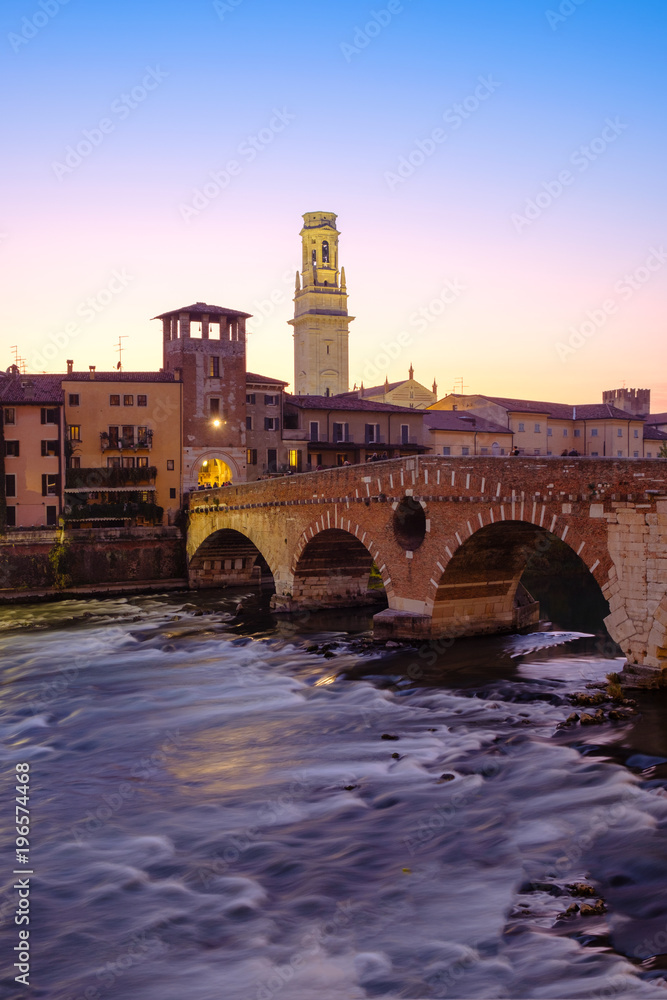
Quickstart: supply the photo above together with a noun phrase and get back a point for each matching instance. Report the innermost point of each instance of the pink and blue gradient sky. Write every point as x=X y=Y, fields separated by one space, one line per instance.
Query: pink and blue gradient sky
x=352 y=105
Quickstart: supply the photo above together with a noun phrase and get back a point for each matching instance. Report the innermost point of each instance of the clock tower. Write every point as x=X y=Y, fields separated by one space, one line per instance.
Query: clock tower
x=321 y=321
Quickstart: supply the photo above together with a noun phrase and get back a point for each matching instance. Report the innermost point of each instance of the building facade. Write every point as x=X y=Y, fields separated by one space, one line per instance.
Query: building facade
x=32 y=449
x=123 y=444
x=406 y=392
x=321 y=321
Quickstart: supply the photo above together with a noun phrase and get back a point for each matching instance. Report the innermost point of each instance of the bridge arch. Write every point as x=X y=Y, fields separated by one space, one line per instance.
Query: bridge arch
x=331 y=566
x=210 y=466
x=477 y=586
x=229 y=557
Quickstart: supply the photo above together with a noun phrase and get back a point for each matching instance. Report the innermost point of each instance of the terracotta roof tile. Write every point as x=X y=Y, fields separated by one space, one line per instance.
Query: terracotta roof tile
x=116 y=376
x=35 y=389
x=254 y=379
x=203 y=309
x=345 y=403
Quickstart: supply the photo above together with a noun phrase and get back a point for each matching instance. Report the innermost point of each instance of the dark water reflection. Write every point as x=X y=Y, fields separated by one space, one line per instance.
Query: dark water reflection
x=232 y=806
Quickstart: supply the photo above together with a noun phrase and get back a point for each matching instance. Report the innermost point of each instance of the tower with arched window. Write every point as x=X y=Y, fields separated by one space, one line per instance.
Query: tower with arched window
x=321 y=321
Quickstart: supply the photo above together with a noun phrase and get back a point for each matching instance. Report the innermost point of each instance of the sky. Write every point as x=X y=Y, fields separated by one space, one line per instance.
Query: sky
x=497 y=170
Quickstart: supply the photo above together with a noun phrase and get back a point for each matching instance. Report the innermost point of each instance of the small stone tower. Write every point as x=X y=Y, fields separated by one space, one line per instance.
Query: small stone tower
x=321 y=321
x=207 y=346
x=634 y=401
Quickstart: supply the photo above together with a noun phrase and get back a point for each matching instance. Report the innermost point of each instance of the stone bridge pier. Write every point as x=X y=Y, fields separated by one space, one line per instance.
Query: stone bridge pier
x=450 y=539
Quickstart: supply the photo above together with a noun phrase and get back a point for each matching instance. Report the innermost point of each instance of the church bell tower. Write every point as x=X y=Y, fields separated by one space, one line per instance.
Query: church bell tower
x=321 y=364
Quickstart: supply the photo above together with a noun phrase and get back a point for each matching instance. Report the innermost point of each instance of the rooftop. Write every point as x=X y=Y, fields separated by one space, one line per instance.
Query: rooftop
x=116 y=376
x=461 y=420
x=202 y=309
x=17 y=388
x=347 y=403
x=253 y=379
x=559 y=411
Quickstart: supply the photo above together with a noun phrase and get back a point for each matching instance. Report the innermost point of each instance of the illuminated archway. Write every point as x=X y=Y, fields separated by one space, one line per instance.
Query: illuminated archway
x=214 y=472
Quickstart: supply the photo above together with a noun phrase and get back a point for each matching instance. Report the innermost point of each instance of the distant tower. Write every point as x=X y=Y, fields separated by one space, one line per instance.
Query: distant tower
x=321 y=365
x=206 y=345
x=634 y=401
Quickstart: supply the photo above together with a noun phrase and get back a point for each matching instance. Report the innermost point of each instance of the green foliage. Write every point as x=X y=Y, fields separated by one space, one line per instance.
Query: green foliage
x=663 y=450
x=101 y=479
x=59 y=561
x=86 y=512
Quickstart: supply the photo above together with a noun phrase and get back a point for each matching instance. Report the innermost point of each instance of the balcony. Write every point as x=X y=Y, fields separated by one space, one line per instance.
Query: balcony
x=97 y=480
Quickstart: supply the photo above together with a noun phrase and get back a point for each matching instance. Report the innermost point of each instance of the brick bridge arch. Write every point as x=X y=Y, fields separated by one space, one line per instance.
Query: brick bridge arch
x=611 y=512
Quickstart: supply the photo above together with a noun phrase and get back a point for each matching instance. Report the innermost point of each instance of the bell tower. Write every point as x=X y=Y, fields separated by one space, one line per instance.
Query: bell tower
x=321 y=321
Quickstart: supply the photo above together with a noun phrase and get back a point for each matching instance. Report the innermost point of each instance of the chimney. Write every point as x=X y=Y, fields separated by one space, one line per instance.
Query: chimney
x=70 y=367
x=92 y=371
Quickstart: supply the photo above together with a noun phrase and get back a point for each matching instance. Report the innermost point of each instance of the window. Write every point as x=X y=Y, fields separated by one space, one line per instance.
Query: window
x=484 y=451
x=142 y=463
x=595 y=454
x=577 y=432
x=113 y=437
x=74 y=432
x=536 y=451
x=214 y=407
x=128 y=400
x=271 y=400
x=50 y=485
x=10 y=486
x=214 y=367
x=49 y=415
x=271 y=459
x=142 y=400
x=128 y=436
x=271 y=423
x=12 y=448
x=49 y=448
x=294 y=459
x=114 y=400
x=594 y=432
x=251 y=456
x=75 y=463
x=405 y=434
x=446 y=450
x=10 y=415
x=314 y=430
x=465 y=450
x=372 y=433
x=314 y=256
x=619 y=454
x=170 y=465
x=564 y=432
x=142 y=437
x=619 y=432
x=635 y=454
x=550 y=432
x=172 y=492
x=128 y=463
x=636 y=434
x=113 y=463
x=11 y=517
x=248 y=423
x=522 y=428
x=250 y=398
x=328 y=349
x=341 y=432
x=74 y=399
x=51 y=516
x=325 y=252
x=538 y=428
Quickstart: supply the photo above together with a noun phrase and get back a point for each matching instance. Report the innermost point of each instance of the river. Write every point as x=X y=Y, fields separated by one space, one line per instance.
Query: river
x=241 y=808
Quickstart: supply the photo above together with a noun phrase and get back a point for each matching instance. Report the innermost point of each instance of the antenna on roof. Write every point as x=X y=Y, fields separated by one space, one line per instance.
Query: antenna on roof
x=119 y=351
x=459 y=385
x=19 y=362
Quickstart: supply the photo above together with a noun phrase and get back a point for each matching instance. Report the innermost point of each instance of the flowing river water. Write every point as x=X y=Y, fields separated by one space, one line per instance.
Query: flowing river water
x=242 y=808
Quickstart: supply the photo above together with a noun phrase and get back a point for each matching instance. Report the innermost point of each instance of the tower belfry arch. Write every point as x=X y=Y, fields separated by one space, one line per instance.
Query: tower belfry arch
x=321 y=320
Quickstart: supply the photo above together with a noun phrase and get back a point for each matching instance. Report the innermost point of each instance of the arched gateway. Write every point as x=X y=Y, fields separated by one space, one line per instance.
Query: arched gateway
x=451 y=539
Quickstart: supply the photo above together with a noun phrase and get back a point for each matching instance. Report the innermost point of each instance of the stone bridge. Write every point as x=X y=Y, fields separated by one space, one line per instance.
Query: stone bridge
x=451 y=538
